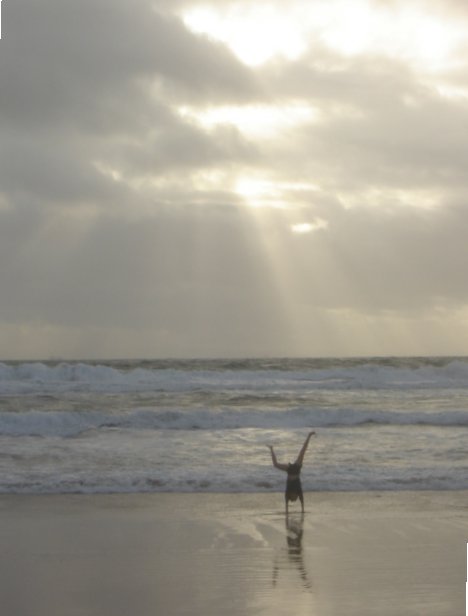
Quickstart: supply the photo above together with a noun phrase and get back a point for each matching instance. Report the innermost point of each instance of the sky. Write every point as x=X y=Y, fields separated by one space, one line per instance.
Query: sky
x=233 y=178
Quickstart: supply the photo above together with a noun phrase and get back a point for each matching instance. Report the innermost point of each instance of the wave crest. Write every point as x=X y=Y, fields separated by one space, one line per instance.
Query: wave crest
x=74 y=423
x=32 y=376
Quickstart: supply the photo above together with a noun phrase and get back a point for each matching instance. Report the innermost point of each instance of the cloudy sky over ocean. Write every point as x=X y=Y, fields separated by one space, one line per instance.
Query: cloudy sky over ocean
x=231 y=178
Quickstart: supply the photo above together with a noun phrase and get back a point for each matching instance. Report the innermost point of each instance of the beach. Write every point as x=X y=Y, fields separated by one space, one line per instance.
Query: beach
x=360 y=553
x=145 y=488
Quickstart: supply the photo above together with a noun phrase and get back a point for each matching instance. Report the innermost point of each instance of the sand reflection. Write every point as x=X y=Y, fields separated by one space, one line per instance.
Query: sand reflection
x=293 y=558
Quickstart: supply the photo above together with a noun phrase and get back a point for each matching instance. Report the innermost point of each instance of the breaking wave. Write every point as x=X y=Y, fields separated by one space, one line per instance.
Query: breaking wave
x=42 y=376
x=75 y=423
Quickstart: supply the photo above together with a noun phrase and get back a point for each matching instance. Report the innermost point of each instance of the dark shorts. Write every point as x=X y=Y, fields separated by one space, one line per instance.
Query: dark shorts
x=293 y=489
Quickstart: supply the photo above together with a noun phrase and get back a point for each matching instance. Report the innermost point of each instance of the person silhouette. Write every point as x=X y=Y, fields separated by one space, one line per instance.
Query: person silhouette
x=293 y=482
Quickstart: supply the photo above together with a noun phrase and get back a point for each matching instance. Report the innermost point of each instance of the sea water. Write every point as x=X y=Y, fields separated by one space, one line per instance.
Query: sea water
x=199 y=425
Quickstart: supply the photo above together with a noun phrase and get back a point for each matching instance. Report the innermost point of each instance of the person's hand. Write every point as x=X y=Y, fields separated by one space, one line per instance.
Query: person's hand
x=270 y=447
x=311 y=433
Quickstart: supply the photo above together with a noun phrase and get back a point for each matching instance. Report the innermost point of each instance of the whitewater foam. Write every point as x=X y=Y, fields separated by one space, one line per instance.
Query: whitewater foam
x=191 y=426
x=74 y=423
x=35 y=376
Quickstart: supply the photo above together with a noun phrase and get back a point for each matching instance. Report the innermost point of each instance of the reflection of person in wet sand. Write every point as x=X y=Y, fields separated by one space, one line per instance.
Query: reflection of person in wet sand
x=294 y=532
x=293 y=482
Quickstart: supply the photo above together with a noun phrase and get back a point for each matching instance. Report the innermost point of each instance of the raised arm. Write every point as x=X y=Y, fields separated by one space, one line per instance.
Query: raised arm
x=300 y=457
x=276 y=464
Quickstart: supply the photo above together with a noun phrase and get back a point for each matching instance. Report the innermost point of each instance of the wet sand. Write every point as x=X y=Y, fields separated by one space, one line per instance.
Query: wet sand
x=358 y=554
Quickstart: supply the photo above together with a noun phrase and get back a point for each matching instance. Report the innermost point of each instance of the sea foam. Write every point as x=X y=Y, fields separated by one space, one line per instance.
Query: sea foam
x=204 y=425
x=40 y=375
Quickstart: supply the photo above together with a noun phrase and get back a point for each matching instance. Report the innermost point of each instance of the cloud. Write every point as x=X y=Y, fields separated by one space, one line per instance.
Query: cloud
x=378 y=123
x=127 y=227
x=372 y=260
x=62 y=58
x=151 y=270
x=87 y=87
x=197 y=275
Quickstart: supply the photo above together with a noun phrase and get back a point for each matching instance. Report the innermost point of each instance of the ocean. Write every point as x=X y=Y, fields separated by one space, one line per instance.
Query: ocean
x=204 y=425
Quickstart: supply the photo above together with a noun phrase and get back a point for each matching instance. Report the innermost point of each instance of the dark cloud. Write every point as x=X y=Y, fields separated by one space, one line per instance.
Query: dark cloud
x=63 y=60
x=83 y=85
x=178 y=147
x=49 y=172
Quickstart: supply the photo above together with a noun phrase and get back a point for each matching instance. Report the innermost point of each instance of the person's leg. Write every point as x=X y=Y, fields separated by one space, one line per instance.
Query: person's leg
x=300 y=457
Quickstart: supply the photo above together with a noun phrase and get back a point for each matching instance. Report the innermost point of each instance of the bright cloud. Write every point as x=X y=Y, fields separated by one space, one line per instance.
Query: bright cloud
x=253 y=120
x=309 y=227
x=258 y=32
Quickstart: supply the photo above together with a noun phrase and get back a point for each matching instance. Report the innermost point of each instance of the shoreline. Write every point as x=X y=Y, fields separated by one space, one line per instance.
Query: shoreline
x=360 y=554
x=319 y=500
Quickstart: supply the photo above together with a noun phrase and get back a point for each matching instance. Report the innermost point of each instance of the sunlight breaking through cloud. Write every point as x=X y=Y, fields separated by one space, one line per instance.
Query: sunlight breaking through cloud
x=253 y=120
x=303 y=228
x=237 y=25
x=208 y=177
x=352 y=28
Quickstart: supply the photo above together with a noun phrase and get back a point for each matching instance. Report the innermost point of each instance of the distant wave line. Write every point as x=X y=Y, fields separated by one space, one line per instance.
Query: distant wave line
x=74 y=423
